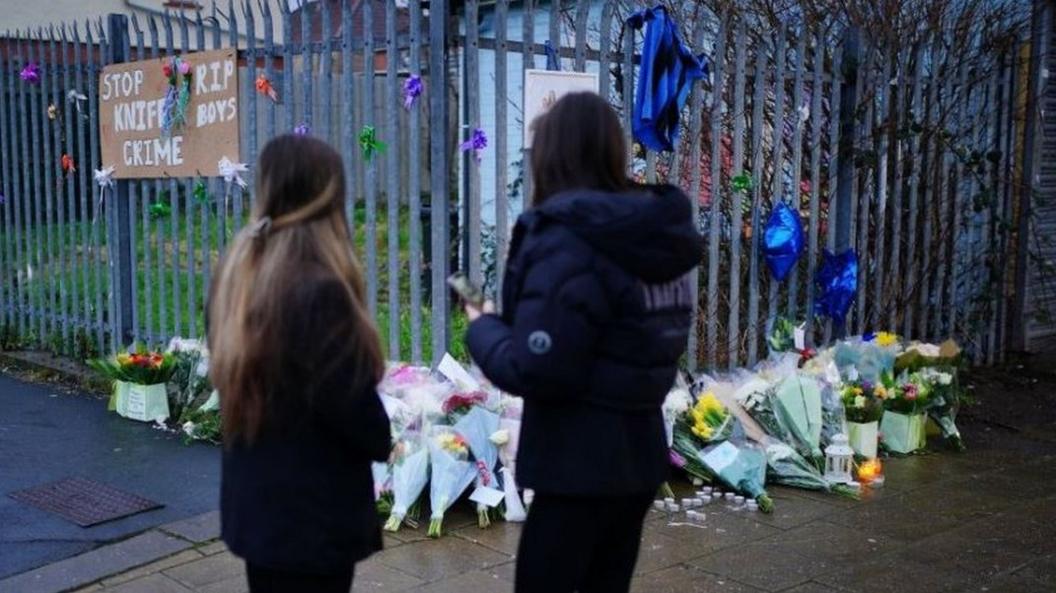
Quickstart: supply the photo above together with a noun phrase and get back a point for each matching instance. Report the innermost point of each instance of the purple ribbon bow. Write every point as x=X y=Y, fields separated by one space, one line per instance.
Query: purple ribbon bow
x=477 y=142
x=412 y=89
x=31 y=73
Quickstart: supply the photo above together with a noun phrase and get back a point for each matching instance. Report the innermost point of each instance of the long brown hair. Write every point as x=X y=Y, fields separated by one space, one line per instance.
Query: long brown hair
x=300 y=238
x=578 y=144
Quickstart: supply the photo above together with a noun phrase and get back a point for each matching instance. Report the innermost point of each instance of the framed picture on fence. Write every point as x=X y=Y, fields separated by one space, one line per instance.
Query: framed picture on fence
x=542 y=88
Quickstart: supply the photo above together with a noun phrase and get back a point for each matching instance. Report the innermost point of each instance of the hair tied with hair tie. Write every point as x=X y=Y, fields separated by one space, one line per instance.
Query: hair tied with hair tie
x=261 y=228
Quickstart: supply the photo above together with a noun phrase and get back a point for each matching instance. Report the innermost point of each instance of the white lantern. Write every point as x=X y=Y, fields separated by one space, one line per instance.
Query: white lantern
x=839 y=458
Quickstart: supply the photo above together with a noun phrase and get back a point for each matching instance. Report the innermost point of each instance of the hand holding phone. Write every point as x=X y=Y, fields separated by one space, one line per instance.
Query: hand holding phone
x=466 y=290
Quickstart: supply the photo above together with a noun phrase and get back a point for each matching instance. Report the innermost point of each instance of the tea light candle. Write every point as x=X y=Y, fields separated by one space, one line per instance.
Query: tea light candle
x=753 y=506
x=698 y=502
x=706 y=490
x=669 y=500
x=730 y=496
x=672 y=507
x=717 y=496
x=738 y=500
x=687 y=503
x=659 y=505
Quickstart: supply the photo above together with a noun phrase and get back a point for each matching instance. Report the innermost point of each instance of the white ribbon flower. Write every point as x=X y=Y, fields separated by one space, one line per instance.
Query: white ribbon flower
x=230 y=171
x=105 y=177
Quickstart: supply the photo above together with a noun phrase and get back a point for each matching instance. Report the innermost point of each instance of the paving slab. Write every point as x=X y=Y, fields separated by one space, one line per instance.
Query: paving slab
x=374 y=577
x=434 y=560
x=164 y=564
x=96 y=565
x=899 y=572
x=769 y=565
x=199 y=529
x=501 y=537
x=208 y=570
x=470 y=582
x=686 y=579
x=155 y=583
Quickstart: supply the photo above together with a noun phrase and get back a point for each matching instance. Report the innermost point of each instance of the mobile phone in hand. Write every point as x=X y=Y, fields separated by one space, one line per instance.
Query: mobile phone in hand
x=469 y=292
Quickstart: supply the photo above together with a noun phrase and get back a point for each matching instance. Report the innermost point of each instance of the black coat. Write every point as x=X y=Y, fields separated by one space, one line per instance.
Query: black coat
x=301 y=497
x=596 y=310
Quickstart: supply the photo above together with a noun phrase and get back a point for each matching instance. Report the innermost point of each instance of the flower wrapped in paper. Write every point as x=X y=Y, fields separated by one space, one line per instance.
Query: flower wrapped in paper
x=903 y=421
x=477 y=426
x=452 y=472
x=785 y=465
x=410 y=474
x=140 y=378
x=797 y=407
x=508 y=439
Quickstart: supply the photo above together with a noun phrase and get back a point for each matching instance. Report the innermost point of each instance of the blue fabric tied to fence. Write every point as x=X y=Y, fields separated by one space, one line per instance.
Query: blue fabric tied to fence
x=553 y=63
x=837 y=281
x=782 y=240
x=667 y=73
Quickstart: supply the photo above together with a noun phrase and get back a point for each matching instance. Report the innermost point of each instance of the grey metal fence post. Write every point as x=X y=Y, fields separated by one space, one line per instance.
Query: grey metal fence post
x=438 y=115
x=121 y=277
x=851 y=63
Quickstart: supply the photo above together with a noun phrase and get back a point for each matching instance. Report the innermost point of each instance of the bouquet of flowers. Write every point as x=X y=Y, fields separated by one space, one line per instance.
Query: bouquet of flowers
x=477 y=426
x=863 y=401
x=189 y=387
x=866 y=358
x=785 y=465
x=706 y=422
x=410 y=473
x=141 y=366
x=139 y=379
x=944 y=402
x=796 y=401
x=907 y=395
x=458 y=404
x=708 y=446
x=507 y=438
x=452 y=473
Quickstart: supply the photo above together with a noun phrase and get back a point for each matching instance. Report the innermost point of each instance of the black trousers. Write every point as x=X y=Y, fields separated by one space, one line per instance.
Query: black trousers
x=584 y=544
x=266 y=580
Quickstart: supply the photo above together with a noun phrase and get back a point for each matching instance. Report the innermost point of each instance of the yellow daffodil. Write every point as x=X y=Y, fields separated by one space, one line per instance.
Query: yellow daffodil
x=880 y=391
x=886 y=339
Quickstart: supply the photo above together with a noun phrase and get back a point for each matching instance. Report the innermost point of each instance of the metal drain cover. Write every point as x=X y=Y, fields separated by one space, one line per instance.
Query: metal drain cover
x=84 y=502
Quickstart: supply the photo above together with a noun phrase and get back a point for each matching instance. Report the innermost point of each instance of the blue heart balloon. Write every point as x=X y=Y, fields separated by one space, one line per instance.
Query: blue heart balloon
x=782 y=240
x=837 y=281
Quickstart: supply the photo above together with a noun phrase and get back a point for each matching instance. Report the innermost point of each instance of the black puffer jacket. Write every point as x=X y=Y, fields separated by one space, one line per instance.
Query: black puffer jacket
x=301 y=497
x=596 y=311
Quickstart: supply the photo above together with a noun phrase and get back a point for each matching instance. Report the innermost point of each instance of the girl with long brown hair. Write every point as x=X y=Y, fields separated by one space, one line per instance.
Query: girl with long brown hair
x=296 y=360
x=596 y=309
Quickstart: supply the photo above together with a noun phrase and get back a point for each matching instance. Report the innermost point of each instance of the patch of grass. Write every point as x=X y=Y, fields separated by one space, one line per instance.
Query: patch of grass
x=172 y=256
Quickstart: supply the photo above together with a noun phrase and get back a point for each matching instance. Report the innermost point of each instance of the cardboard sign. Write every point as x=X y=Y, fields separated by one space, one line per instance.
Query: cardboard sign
x=542 y=88
x=131 y=100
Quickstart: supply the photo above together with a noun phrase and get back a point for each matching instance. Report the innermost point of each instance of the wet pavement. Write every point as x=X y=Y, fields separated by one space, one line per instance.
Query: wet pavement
x=48 y=433
x=980 y=521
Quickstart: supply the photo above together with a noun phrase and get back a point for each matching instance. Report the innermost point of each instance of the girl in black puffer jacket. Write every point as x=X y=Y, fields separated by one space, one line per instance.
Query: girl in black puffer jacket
x=596 y=311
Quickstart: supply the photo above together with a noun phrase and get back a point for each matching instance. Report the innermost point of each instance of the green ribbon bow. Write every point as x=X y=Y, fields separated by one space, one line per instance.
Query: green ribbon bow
x=741 y=183
x=369 y=143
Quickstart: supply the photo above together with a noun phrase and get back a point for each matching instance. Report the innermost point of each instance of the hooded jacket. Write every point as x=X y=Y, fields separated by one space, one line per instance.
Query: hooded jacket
x=597 y=300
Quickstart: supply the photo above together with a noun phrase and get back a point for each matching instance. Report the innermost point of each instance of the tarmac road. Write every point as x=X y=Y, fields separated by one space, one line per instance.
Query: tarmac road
x=47 y=435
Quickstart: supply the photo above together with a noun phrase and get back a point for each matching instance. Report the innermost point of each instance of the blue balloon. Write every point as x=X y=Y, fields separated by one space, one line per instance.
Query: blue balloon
x=668 y=71
x=837 y=281
x=782 y=240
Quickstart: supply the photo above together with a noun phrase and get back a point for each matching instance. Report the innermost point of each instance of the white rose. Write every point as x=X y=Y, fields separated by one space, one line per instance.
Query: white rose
x=945 y=378
x=859 y=402
x=500 y=437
